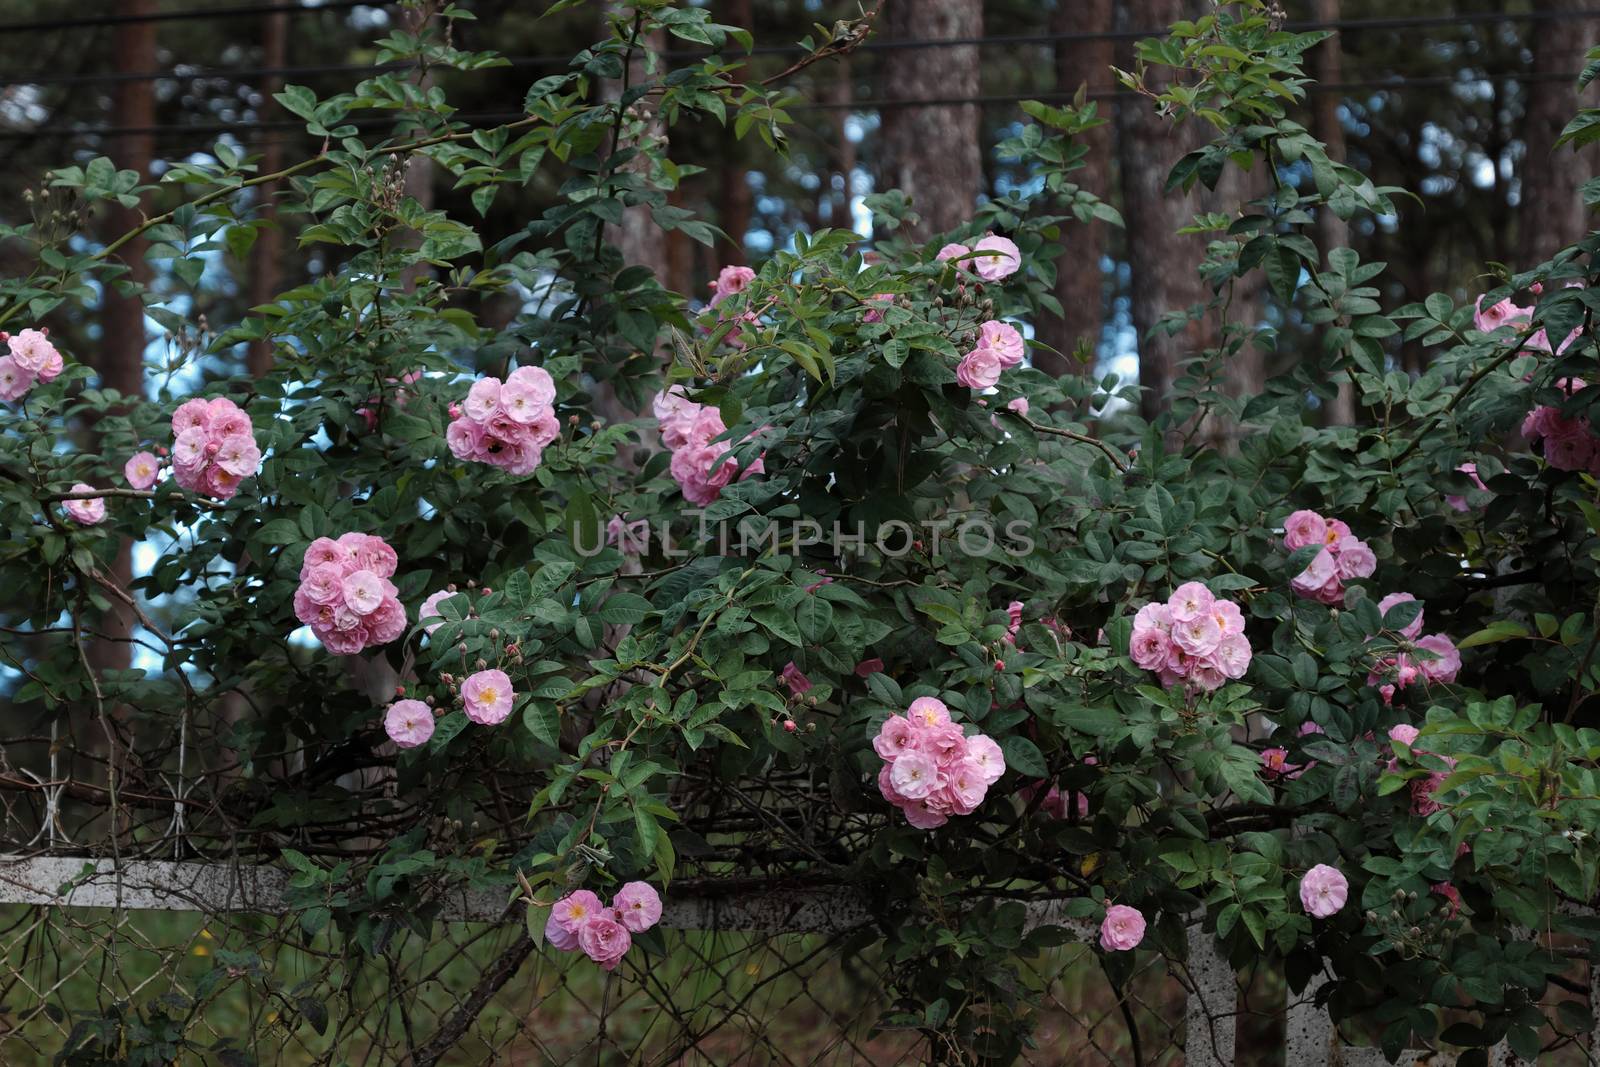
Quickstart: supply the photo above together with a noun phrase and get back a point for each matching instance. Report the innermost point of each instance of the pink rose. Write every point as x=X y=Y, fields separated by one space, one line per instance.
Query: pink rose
x=1323 y=891
x=1354 y=558
x=995 y=258
x=1190 y=601
x=1019 y=405
x=238 y=455
x=1154 y=616
x=1446 y=663
x=483 y=400
x=1413 y=628
x=33 y=352
x=1199 y=636
x=914 y=775
x=797 y=682
x=1149 y=648
x=1489 y=319
x=922 y=815
x=1004 y=340
x=1232 y=657
x=952 y=251
x=965 y=788
x=979 y=369
x=15 y=380
x=987 y=756
x=388 y=622
x=569 y=915
x=85 y=510
x=732 y=280
x=604 y=940
x=408 y=723
x=363 y=592
x=536 y=383
x=1303 y=528
x=1275 y=764
x=324 y=584
x=895 y=736
x=638 y=906
x=1122 y=929
x=488 y=697
x=430 y=610
x=141 y=470
x=928 y=711
x=1405 y=733
x=1320 y=573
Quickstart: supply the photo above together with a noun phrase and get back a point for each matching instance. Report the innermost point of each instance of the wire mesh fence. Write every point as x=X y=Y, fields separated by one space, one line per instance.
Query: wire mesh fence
x=251 y=988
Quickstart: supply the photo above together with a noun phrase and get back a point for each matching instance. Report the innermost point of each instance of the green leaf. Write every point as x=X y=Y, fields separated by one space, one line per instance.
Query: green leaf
x=1024 y=757
x=280 y=532
x=543 y=721
x=814 y=616
x=1499 y=630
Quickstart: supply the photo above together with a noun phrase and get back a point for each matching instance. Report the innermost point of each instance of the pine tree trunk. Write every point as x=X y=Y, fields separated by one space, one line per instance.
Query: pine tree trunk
x=268 y=249
x=1162 y=265
x=119 y=359
x=933 y=154
x=1551 y=214
x=735 y=202
x=1080 y=281
x=1327 y=63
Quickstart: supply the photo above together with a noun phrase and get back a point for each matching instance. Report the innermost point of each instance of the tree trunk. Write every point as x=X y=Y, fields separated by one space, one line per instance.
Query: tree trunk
x=641 y=242
x=119 y=359
x=1162 y=265
x=268 y=248
x=735 y=202
x=1244 y=373
x=1327 y=64
x=1551 y=214
x=933 y=154
x=1080 y=281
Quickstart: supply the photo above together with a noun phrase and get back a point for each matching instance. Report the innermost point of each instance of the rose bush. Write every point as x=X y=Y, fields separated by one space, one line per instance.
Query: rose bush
x=419 y=548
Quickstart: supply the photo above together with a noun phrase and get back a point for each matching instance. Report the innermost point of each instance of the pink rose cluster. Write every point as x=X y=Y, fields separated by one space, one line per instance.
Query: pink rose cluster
x=1194 y=638
x=1569 y=442
x=345 y=595
x=506 y=424
x=1000 y=347
x=31 y=359
x=1343 y=558
x=931 y=768
x=992 y=258
x=701 y=465
x=578 y=921
x=213 y=447
x=1403 y=669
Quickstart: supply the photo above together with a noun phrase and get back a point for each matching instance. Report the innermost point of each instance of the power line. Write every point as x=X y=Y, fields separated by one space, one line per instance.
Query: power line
x=78 y=22
x=1391 y=84
x=180 y=74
